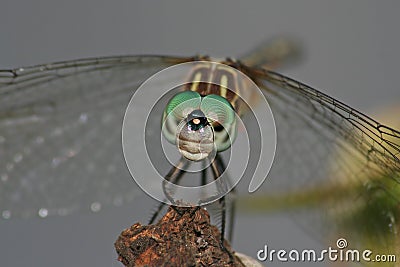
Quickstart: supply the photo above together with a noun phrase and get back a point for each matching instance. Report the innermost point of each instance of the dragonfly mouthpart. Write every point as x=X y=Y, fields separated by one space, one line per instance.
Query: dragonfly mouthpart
x=195 y=136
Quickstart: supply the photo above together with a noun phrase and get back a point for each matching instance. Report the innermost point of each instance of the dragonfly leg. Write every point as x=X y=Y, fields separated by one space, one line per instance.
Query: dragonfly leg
x=203 y=174
x=174 y=176
x=217 y=173
x=217 y=167
x=231 y=203
x=232 y=214
x=156 y=213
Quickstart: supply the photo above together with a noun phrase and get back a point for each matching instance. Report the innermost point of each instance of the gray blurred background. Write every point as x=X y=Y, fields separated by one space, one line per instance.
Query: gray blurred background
x=352 y=54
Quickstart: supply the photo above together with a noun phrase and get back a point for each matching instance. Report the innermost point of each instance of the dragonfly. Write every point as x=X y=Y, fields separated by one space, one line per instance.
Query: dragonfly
x=60 y=145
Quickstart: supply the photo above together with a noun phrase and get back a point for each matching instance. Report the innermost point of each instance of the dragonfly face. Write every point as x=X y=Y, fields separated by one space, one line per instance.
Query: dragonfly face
x=199 y=125
x=201 y=119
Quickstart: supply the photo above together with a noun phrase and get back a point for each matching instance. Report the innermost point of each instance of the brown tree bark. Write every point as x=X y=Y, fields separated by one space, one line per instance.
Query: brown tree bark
x=183 y=237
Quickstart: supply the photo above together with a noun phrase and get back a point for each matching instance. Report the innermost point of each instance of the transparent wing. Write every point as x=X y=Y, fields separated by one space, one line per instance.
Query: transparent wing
x=60 y=148
x=60 y=134
x=337 y=167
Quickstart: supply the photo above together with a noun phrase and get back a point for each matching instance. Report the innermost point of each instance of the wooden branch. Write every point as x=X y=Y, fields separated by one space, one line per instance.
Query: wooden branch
x=183 y=237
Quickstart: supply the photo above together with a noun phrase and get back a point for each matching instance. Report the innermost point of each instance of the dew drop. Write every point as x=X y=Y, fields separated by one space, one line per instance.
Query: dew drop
x=57 y=132
x=83 y=118
x=9 y=166
x=18 y=157
x=118 y=201
x=39 y=140
x=55 y=162
x=4 y=177
x=95 y=206
x=43 y=213
x=6 y=214
x=72 y=153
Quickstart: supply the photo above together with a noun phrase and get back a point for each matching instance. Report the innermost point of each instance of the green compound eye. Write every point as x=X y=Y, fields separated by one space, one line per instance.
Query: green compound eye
x=177 y=109
x=221 y=113
x=218 y=109
x=182 y=104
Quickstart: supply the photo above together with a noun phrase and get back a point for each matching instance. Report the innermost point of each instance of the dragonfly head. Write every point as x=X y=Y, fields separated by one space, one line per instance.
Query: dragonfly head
x=198 y=125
